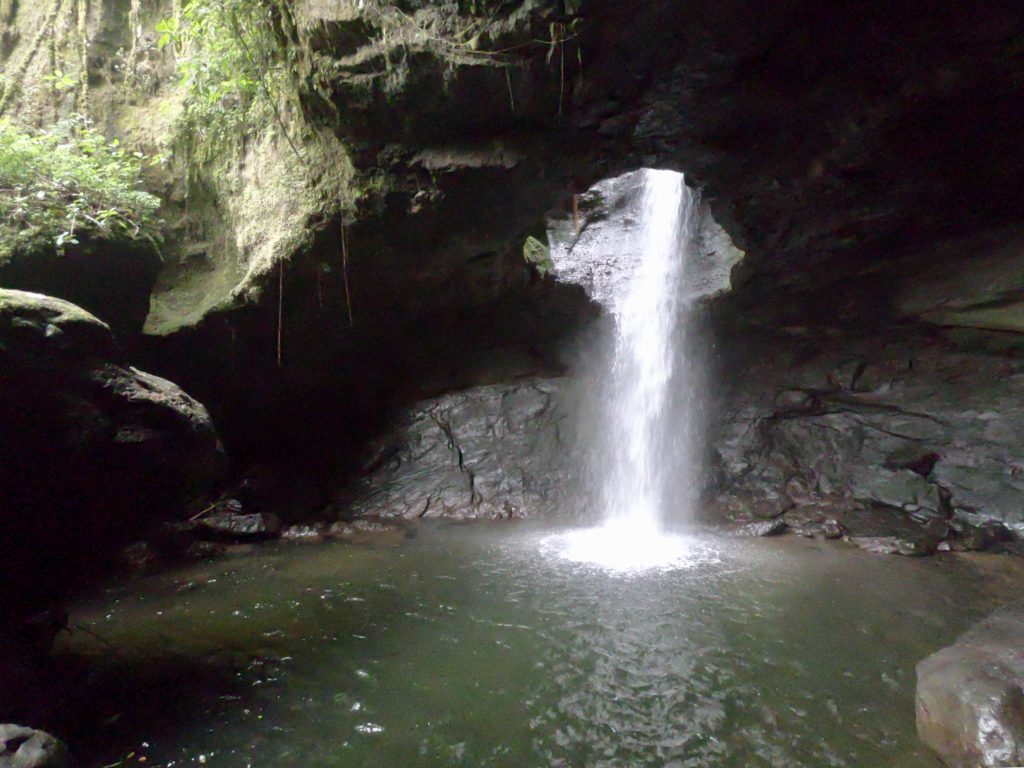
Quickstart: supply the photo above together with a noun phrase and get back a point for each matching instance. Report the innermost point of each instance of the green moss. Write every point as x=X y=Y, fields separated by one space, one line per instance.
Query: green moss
x=66 y=181
x=538 y=256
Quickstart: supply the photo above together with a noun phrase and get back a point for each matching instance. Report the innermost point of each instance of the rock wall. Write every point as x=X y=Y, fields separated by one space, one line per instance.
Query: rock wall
x=909 y=424
x=500 y=451
x=864 y=160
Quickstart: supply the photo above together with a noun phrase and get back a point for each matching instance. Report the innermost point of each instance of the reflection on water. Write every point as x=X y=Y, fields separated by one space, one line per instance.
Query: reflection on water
x=474 y=646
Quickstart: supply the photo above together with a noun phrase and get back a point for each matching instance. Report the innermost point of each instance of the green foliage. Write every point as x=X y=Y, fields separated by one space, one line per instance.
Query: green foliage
x=234 y=67
x=60 y=81
x=538 y=255
x=69 y=179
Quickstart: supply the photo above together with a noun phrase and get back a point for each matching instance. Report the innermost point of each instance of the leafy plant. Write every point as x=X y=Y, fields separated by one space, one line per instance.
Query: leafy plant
x=69 y=179
x=60 y=81
x=233 y=66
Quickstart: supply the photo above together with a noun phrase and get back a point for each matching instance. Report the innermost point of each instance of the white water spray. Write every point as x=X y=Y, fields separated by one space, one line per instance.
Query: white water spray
x=647 y=420
x=645 y=466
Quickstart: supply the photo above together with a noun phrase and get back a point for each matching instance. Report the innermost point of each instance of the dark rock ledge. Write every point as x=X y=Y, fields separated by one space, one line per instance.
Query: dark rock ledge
x=92 y=451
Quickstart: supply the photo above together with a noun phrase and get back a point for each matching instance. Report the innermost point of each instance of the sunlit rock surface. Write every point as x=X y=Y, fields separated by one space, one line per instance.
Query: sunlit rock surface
x=598 y=248
x=970 y=696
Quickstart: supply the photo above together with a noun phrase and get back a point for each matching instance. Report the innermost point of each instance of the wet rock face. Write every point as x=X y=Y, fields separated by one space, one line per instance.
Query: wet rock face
x=498 y=451
x=970 y=696
x=598 y=245
x=91 y=449
x=899 y=439
x=827 y=145
x=22 y=747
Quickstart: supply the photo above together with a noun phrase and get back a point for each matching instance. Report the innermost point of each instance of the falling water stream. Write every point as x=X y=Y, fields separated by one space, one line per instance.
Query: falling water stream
x=644 y=463
x=642 y=436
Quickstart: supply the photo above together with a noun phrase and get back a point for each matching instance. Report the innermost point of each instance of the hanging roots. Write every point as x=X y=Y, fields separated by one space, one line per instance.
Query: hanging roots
x=280 y=310
x=344 y=270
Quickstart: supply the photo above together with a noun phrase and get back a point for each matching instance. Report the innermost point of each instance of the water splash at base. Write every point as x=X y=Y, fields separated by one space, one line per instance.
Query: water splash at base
x=621 y=547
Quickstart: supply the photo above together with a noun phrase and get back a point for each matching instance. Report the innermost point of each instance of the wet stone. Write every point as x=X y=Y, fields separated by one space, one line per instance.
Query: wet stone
x=764 y=528
x=307 y=534
x=985 y=537
x=893 y=545
x=22 y=747
x=831 y=529
x=969 y=705
x=227 y=526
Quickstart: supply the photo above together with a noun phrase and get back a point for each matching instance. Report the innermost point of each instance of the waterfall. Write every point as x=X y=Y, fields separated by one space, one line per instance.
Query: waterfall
x=647 y=422
x=641 y=421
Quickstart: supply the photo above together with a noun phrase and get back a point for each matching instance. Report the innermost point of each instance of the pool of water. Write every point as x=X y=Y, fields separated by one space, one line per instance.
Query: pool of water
x=495 y=645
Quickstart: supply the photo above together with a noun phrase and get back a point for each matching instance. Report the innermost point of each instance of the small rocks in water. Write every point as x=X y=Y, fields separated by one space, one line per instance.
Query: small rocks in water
x=139 y=555
x=987 y=536
x=203 y=550
x=304 y=533
x=369 y=531
x=892 y=545
x=220 y=526
x=22 y=747
x=831 y=529
x=764 y=528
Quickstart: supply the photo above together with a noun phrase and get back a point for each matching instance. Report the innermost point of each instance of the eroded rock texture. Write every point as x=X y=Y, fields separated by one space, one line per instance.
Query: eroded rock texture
x=904 y=436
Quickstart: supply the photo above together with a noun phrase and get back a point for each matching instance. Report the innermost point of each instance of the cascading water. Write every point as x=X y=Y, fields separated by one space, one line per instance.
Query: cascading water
x=648 y=453
x=644 y=468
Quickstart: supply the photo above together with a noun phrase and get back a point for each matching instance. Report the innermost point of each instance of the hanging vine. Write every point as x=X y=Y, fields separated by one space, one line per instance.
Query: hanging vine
x=131 y=65
x=12 y=83
x=83 y=50
x=344 y=270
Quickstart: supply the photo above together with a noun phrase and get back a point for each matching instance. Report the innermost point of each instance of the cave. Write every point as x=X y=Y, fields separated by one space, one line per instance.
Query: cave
x=511 y=382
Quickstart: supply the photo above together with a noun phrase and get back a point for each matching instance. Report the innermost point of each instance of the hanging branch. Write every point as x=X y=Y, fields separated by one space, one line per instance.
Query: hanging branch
x=511 y=96
x=561 y=75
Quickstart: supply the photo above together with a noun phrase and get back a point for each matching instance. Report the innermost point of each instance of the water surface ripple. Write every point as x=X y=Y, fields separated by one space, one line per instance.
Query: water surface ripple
x=480 y=646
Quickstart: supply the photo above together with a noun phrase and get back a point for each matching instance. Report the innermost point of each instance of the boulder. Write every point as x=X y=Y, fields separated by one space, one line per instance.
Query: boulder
x=91 y=450
x=970 y=695
x=22 y=747
x=764 y=528
x=233 y=527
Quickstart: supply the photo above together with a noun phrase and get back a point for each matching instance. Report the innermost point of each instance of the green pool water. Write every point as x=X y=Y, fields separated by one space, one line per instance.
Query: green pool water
x=479 y=645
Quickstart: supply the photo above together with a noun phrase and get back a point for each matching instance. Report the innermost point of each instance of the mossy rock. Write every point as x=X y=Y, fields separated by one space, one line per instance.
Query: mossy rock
x=112 y=279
